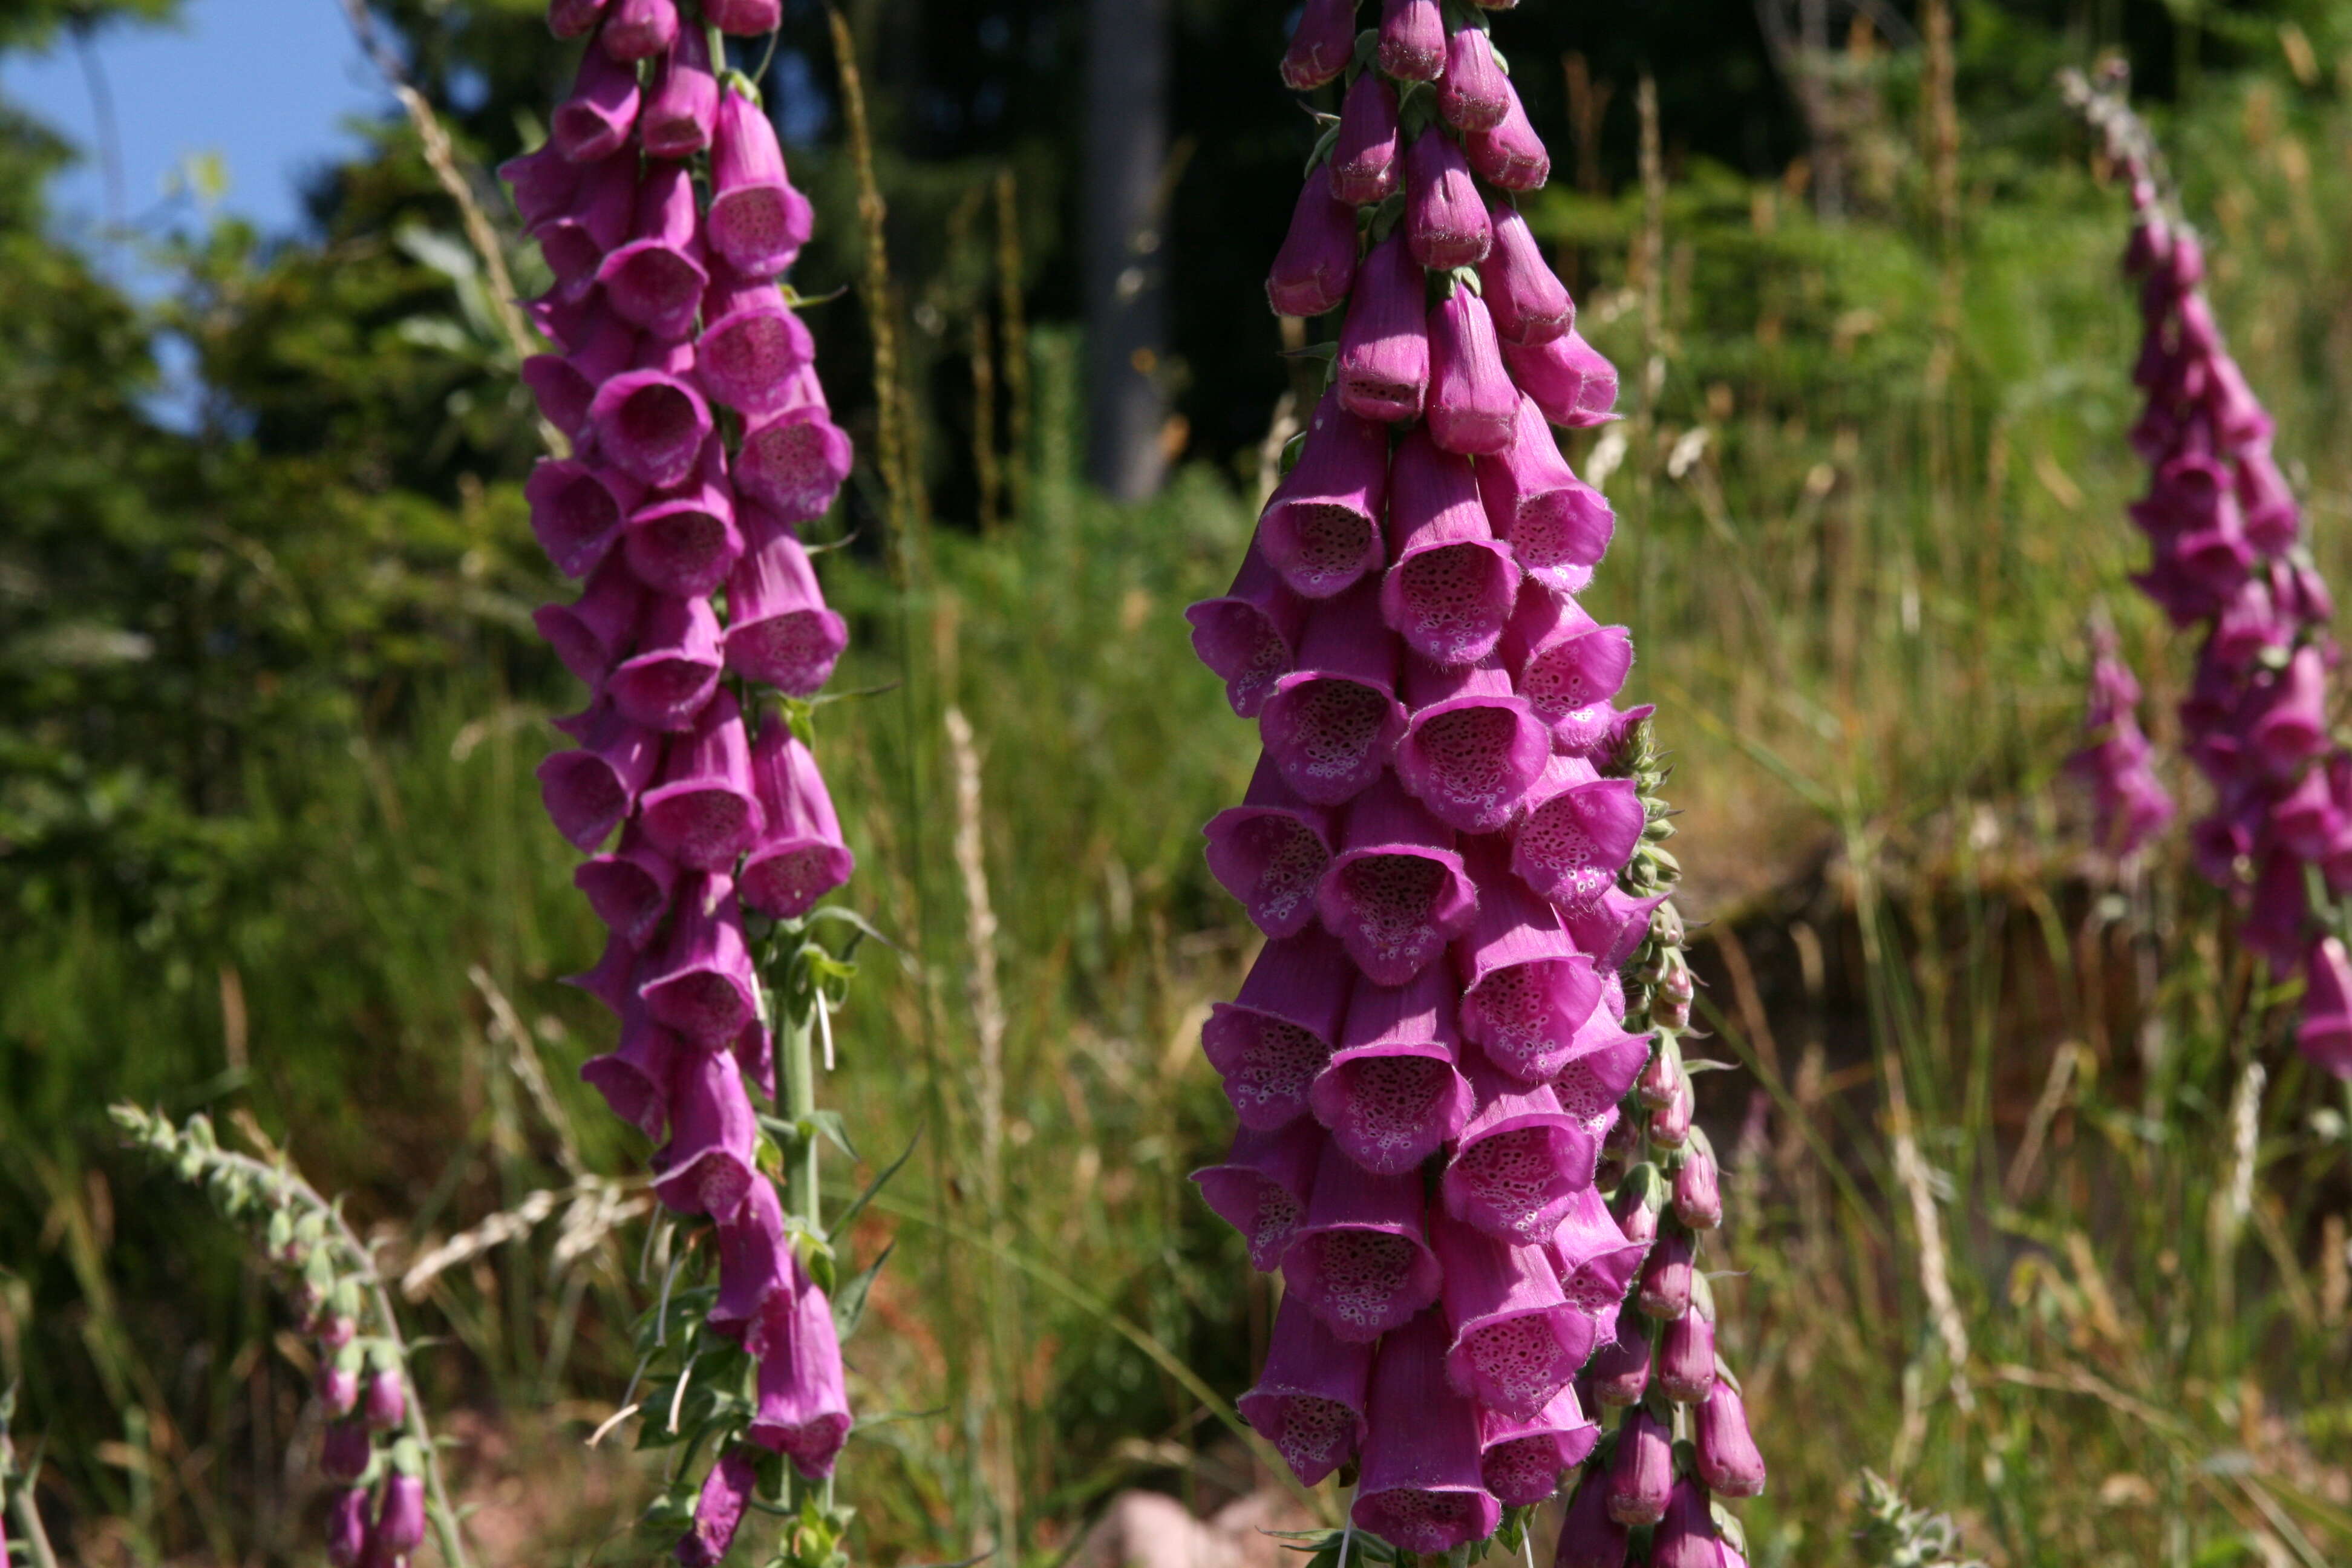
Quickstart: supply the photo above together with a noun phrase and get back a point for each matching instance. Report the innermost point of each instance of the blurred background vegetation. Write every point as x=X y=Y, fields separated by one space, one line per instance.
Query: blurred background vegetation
x=2032 y=1207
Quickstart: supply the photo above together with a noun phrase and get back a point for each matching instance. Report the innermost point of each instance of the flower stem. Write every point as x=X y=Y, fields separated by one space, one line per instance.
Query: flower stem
x=799 y=1108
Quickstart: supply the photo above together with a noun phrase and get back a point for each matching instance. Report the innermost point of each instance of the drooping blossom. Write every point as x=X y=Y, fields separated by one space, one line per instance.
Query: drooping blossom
x=2129 y=804
x=1472 y=985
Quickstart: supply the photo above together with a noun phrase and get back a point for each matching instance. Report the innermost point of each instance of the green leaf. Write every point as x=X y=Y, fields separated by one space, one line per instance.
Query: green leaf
x=849 y=1301
x=848 y=1216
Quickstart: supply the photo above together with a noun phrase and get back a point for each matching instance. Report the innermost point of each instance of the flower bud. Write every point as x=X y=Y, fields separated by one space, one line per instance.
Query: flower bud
x=400 y=1518
x=1665 y=1291
x=1589 y=1537
x=1529 y=303
x=1655 y=1086
x=718 y=1512
x=744 y=19
x=1620 y=1368
x=345 y=1451
x=2325 y=1034
x=1727 y=1458
x=1383 y=360
x=1698 y=1186
x=1473 y=406
x=1670 y=1124
x=1511 y=154
x=1685 y=1537
x=1636 y=1206
x=1364 y=154
x=1317 y=264
x=1641 y=1469
x=1686 y=1354
x=1446 y=222
x=1323 y=44
x=339 y=1387
x=639 y=29
x=1474 y=94
x=1413 y=39
x=386 y=1398
x=347 y=1527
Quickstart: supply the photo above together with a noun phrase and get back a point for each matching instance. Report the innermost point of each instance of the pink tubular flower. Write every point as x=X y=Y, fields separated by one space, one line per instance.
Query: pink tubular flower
x=1727 y=1460
x=1413 y=39
x=1445 y=221
x=800 y=855
x=1589 y=1537
x=719 y=1510
x=780 y=631
x=1421 y=1487
x=1323 y=43
x=347 y=1527
x=1262 y=1188
x=1521 y=1460
x=1270 y=852
x=1360 y=1261
x=1391 y=1094
x=1473 y=406
x=1270 y=1043
x=1364 y=167
x=1331 y=725
x=1395 y=893
x=1452 y=588
x=1641 y=1471
x=596 y=119
x=1317 y=264
x=638 y=29
x=1383 y=362
x=1529 y=303
x=1474 y=94
x=744 y=19
x=1511 y=155
x=803 y=1410
x=676 y=121
x=1311 y=1399
x=757 y=221
x=400 y=1517
x=1321 y=529
x=1249 y=635
x=753 y=346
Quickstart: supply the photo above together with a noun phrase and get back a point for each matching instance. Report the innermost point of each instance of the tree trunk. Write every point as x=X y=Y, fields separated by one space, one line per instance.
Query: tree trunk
x=1127 y=145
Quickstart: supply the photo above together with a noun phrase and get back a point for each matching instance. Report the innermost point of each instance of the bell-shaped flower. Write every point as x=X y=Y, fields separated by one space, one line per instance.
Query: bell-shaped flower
x=707 y=1165
x=1521 y=1459
x=1529 y=303
x=1262 y=1188
x=1446 y=223
x=592 y=633
x=1474 y=93
x=1611 y=926
x=1686 y=1352
x=1589 y=1536
x=744 y=19
x=676 y=120
x=705 y=810
x=1391 y=1093
x=1396 y=893
x=794 y=460
x=2293 y=727
x=650 y=421
x=1310 y=1400
x=2273 y=520
x=1321 y=528
x=400 y=1515
x=803 y=1409
x=543 y=183
x=1360 y=1261
x=1663 y=1289
x=1322 y=46
x=718 y=1508
x=757 y=221
x=1247 y=636
x=1559 y=527
x=1597 y=1261
x=673 y=674
x=1366 y=149
x=1421 y=1490
x=753 y=346
x=1509 y=154
x=1411 y=41
x=1270 y=852
x=576 y=236
x=780 y=631
x=1578 y=833
x=656 y=279
x=1317 y=264
x=1520 y=1163
x=1727 y=1458
x=577 y=509
x=1527 y=993
x=348 y=1537
x=638 y=29
x=1473 y=746
x=1568 y=380
x=589 y=789
x=1620 y=1373
x=801 y=856
x=1276 y=1036
x=346 y=1449
x=635 y=1076
x=1641 y=1475
x=629 y=889
x=683 y=540
x=565 y=386
x=384 y=1398
x=1473 y=406
x=2325 y=1033
x=596 y=120
x=700 y=984
x=1383 y=360
x=1332 y=724
x=1452 y=588
x=1685 y=1538
x=756 y=1291
x=1698 y=1185
x=1517 y=1343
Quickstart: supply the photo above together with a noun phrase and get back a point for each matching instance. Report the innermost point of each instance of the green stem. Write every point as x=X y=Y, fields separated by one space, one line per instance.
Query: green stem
x=28 y=1521
x=799 y=1108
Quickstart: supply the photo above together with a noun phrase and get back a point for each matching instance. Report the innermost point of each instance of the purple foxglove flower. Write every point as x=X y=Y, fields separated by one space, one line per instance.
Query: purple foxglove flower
x=1331 y=725
x=613 y=981
x=757 y=220
x=779 y=630
x=543 y=182
x=1670 y=1124
x=1270 y=1041
x=754 y=1307
x=706 y=811
x=338 y=1386
x=2325 y=1034
x=1597 y=1261
x=589 y=790
x=1568 y=669
x=1641 y=1470
x=400 y=1515
x=1559 y=526
x=1620 y=1368
x=656 y=279
x=2238 y=419
x=346 y=1450
x=1323 y=44
x=700 y=984
x=1419 y=1488
x=347 y=1527
x=1685 y=1537
x=1517 y=1343
x=683 y=541
x=2292 y=728
x=1698 y=1186
x=1446 y=222
x=1317 y=264
x=804 y=1411
x=1270 y=851
x=1510 y=155
x=753 y=346
x=1529 y=303
x=334 y=1328
x=2273 y=520
x=1364 y=169
x=1526 y=991
x=1359 y=1260
x=1246 y=637
x=1262 y=1188
x=744 y=19
x=596 y=119
x=576 y=511
x=1452 y=588
x=1577 y=835
x=672 y=676
x=1396 y=892
x=718 y=1510
x=802 y=857
x=1727 y=1460
x=635 y=1077
x=1521 y=1461
x=1391 y=1094
x=1589 y=1536
x=649 y=421
x=564 y=386
x=1474 y=93
x=1383 y=362
x=383 y=1402
x=2304 y=820
x=1472 y=745
x=1309 y=1401
x=639 y=29
x=1566 y=378
x=629 y=889
x=678 y=120
x=1413 y=39
x=1612 y=926
x=1665 y=1291
x=707 y=1166
x=1321 y=529
x=571 y=18
x=1473 y=406
x=564 y=317
x=794 y=462
x=1520 y=1163
x=1686 y=1355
